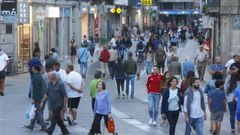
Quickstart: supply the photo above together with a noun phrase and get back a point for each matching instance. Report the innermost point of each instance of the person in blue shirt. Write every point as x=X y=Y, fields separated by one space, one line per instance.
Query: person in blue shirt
x=211 y=83
x=217 y=67
x=83 y=60
x=102 y=108
x=156 y=43
x=187 y=66
x=236 y=98
x=217 y=104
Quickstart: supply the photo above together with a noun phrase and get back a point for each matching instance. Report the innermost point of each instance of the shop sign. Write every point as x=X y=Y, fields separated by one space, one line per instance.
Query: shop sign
x=121 y=2
x=9 y=19
x=146 y=2
x=40 y=13
x=23 y=13
x=53 y=12
x=9 y=7
x=236 y=23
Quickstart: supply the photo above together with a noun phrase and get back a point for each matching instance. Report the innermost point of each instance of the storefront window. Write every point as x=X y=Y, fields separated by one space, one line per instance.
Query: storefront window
x=8 y=28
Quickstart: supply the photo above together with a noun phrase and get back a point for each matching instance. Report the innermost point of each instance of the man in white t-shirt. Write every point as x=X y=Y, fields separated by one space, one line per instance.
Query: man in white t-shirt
x=4 y=60
x=74 y=91
x=62 y=75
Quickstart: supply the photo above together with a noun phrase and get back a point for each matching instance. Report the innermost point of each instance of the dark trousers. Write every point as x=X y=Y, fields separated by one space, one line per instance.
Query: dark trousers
x=96 y=126
x=39 y=115
x=111 y=65
x=56 y=119
x=93 y=103
x=232 y=109
x=120 y=85
x=172 y=117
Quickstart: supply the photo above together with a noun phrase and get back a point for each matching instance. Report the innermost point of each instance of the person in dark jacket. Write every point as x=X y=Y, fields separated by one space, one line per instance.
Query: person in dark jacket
x=171 y=104
x=130 y=67
x=119 y=73
x=38 y=91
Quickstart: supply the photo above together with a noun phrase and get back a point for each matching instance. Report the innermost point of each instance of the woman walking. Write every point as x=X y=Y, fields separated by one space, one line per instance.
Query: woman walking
x=171 y=104
x=186 y=82
x=102 y=108
x=149 y=61
x=73 y=53
x=119 y=74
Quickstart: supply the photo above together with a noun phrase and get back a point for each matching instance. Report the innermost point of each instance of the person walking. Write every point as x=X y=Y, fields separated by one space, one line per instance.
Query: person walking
x=102 y=108
x=230 y=87
x=33 y=62
x=187 y=66
x=171 y=104
x=73 y=53
x=37 y=51
x=186 y=82
x=57 y=97
x=160 y=58
x=38 y=91
x=119 y=74
x=83 y=60
x=153 y=90
x=91 y=48
x=130 y=67
x=104 y=58
x=236 y=98
x=93 y=84
x=74 y=91
x=149 y=58
x=201 y=61
x=194 y=107
x=112 y=60
x=217 y=104
x=217 y=67
x=4 y=61
x=175 y=68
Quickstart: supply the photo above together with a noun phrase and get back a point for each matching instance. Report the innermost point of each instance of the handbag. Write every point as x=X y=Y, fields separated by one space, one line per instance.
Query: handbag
x=111 y=126
x=31 y=112
x=79 y=59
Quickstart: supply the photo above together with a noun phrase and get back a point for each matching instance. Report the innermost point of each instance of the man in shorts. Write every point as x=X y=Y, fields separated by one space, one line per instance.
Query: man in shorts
x=74 y=92
x=217 y=104
x=4 y=60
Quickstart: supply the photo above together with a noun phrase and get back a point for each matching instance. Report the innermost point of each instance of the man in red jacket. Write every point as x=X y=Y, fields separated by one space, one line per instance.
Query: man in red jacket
x=153 y=90
x=104 y=58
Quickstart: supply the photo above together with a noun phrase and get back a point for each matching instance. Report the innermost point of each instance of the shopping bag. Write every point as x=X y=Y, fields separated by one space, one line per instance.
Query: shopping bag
x=111 y=126
x=31 y=112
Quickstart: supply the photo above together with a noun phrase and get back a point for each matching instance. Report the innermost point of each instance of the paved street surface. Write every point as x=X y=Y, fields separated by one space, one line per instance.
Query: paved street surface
x=131 y=115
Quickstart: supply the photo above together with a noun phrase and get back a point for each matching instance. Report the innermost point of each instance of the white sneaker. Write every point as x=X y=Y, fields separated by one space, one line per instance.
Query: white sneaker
x=154 y=123
x=150 y=122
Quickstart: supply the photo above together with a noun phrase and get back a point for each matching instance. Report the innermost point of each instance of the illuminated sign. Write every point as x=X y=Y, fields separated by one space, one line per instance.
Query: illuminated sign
x=23 y=11
x=116 y=10
x=146 y=2
x=9 y=7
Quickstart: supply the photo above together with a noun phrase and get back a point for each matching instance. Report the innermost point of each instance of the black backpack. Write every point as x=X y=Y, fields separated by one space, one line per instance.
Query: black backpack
x=140 y=45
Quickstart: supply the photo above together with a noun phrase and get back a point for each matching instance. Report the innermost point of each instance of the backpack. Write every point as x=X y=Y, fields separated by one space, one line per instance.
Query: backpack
x=91 y=45
x=85 y=43
x=140 y=45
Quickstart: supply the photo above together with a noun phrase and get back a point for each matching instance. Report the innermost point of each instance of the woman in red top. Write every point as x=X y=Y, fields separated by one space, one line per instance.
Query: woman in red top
x=153 y=90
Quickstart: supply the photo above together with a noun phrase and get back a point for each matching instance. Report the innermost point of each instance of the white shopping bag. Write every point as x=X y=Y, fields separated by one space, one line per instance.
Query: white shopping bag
x=31 y=112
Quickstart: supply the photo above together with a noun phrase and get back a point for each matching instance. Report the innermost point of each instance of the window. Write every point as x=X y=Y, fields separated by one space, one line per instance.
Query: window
x=9 y=29
x=166 y=5
x=178 y=6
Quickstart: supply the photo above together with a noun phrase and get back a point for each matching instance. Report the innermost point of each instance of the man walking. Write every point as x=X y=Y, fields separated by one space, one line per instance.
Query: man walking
x=104 y=58
x=194 y=107
x=160 y=58
x=4 y=60
x=153 y=90
x=74 y=91
x=201 y=61
x=38 y=91
x=83 y=60
x=131 y=69
x=187 y=66
x=112 y=60
x=57 y=97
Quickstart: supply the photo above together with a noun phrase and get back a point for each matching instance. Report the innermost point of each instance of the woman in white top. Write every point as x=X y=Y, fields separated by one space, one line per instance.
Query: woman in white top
x=171 y=104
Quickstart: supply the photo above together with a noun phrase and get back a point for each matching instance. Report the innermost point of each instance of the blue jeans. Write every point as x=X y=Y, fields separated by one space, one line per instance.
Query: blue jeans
x=83 y=68
x=153 y=105
x=232 y=109
x=197 y=123
x=128 y=79
x=148 y=67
